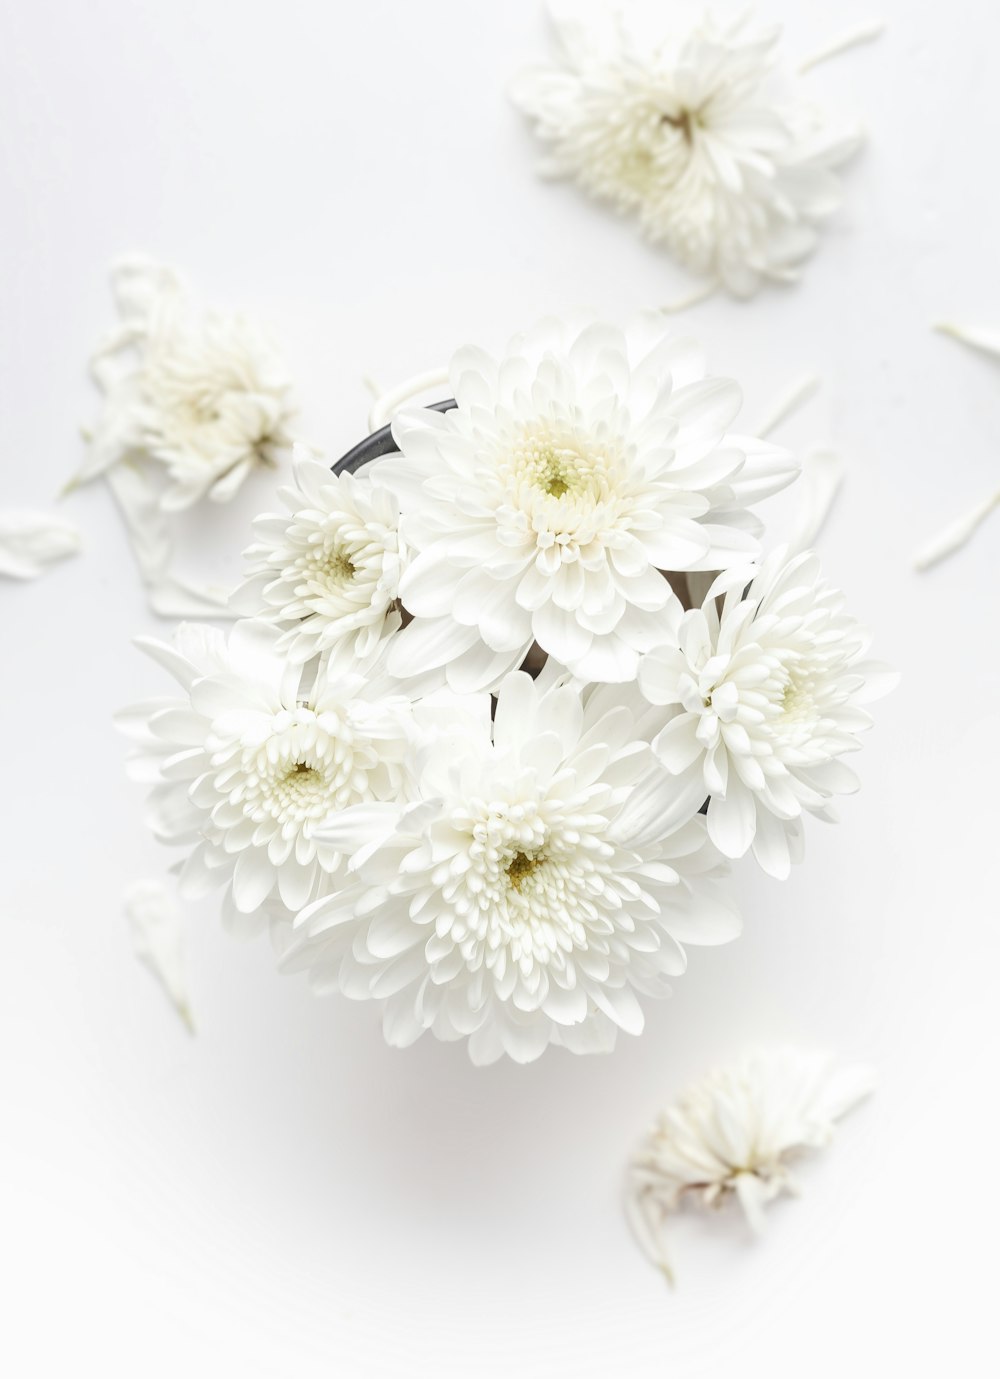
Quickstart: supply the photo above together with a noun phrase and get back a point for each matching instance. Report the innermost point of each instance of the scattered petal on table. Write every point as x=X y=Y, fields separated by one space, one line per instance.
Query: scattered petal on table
x=156 y=923
x=31 y=541
x=822 y=475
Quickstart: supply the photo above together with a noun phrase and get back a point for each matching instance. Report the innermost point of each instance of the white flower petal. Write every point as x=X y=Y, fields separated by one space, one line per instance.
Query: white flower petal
x=732 y=819
x=822 y=475
x=31 y=541
x=157 y=936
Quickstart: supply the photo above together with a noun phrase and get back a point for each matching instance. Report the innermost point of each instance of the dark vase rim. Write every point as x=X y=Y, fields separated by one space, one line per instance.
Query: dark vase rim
x=380 y=443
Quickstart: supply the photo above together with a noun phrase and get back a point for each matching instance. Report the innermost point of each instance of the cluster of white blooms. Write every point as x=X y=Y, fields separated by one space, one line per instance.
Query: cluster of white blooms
x=475 y=751
x=721 y=159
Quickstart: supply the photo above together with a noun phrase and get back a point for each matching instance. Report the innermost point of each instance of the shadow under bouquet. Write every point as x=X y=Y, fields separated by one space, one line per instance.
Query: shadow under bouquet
x=505 y=701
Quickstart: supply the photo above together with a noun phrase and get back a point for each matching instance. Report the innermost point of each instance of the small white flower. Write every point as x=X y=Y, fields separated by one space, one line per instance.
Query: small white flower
x=200 y=396
x=735 y=1135
x=31 y=541
x=728 y=168
x=327 y=572
x=766 y=698
x=543 y=872
x=252 y=760
x=543 y=508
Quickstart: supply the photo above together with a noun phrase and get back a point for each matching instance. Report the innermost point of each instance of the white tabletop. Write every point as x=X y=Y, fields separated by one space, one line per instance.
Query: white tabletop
x=282 y=1194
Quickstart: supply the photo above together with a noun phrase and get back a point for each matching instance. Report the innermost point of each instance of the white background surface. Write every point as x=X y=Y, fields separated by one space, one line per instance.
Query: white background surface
x=283 y=1195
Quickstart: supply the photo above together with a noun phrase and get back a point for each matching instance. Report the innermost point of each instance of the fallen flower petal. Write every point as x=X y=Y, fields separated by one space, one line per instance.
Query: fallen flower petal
x=977 y=338
x=955 y=535
x=864 y=33
x=822 y=475
x=155 y=922
x=959 y=531
x=31 y=541
x=796 y=396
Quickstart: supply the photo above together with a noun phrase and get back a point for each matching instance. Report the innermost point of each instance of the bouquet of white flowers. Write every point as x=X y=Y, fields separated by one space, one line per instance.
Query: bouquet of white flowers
x=506 y=698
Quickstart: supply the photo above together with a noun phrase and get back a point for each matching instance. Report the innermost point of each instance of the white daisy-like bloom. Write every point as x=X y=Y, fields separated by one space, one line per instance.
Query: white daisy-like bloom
x=253 y=759
x=543 y=872
x=544 y=506
x=724 y=163
x=200 y=396
x=766 y=697
x=327 y=571
x=737 y=1134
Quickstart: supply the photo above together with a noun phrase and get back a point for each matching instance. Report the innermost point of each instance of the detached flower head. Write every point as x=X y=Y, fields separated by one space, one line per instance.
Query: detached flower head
x=766 y=697
x=200 y=395
x=327 y=572
x=575 y=468
x=543 y=872
x=251 y=761
x=731 y=173
x=735 y=1134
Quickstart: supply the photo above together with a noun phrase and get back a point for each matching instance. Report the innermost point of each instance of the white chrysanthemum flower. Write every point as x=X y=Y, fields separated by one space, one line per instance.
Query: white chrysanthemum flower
x=545 y=505
x=725 y=165
x=766 y=697
x=327 y=572
x=544 y=871
x=200 y=395
x=735 y=1134
x=251 y=761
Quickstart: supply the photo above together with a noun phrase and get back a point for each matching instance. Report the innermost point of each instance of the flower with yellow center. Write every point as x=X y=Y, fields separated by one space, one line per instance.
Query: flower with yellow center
x=545 y=507
x=543 y=872
x=327 y=571
x=724 y=164
x=255 y=759
x=198 y=396
x=765 y=698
